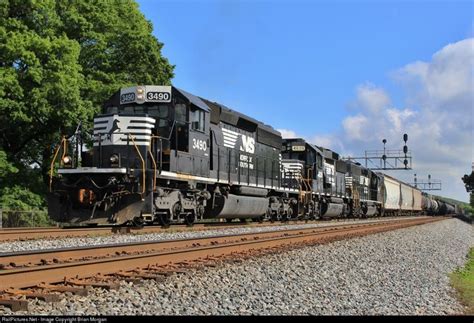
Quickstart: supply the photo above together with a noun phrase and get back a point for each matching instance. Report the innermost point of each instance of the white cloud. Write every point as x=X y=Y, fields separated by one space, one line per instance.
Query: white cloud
x=396 y=117
x=438 y=117
x=285 y=133
x=449 y=74
x=371 y=98
x=355 y=127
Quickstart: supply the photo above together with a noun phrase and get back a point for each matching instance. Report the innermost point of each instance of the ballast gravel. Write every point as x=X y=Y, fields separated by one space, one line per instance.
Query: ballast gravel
x=170 y=234
x=398 y=272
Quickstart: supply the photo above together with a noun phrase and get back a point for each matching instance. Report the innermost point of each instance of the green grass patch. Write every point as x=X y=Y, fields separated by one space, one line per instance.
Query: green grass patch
x=463 y=280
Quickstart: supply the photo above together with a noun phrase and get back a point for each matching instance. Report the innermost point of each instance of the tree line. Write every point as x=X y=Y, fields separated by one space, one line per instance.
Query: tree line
x=59 y=61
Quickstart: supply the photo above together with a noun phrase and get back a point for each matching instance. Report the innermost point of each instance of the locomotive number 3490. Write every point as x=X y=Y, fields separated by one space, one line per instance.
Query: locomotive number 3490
x=199 y=144
x=158 y=96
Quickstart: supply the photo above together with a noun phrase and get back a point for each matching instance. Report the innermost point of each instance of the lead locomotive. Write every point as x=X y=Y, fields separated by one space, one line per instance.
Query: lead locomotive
x=161 y=154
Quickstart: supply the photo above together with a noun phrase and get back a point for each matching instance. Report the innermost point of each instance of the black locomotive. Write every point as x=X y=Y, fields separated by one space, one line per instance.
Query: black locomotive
x=161 y=154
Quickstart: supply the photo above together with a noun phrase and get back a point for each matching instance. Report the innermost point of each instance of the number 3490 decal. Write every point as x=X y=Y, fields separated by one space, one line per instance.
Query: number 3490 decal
x=199 y=144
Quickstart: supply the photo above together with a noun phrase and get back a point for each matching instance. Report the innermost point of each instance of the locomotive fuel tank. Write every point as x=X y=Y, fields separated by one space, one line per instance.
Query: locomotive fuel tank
x=369 y=209
x=334 y=207
x=235 y=206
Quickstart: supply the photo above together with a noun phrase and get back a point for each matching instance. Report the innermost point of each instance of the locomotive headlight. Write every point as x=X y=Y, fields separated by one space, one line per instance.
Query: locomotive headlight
x=67 y=161
x=114 y=159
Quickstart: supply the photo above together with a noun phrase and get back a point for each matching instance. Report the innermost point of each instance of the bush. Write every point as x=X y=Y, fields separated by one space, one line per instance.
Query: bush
x=21 y=207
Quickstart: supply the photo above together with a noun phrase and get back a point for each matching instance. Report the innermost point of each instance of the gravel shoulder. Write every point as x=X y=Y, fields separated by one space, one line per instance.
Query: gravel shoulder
x=402 y=272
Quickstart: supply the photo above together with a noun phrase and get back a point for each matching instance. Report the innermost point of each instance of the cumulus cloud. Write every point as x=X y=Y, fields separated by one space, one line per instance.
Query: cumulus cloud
x=438 y=117
x=371 y=98
x=285 y=133
x=356 y=127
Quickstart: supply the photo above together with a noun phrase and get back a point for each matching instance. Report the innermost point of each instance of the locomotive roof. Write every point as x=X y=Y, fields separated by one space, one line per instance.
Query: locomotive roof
x=193 y=99
x=313 y=146
x=220 y=112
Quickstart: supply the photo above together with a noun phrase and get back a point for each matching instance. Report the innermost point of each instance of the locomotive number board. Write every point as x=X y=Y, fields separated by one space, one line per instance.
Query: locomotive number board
x=158 y=94
x=298 y=148
x=148 y=93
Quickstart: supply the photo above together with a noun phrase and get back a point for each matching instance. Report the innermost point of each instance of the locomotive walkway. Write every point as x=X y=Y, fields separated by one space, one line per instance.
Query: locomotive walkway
x=41 y=274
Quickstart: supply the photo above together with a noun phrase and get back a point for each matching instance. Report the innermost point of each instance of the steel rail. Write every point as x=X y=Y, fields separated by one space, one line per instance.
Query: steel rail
x=23 y=234
x=130 y=257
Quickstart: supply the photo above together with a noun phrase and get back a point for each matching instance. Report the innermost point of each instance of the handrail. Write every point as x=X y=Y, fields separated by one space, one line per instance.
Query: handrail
x=64 y=148
x=143 y=163
x=63 y=139
x=154 y=166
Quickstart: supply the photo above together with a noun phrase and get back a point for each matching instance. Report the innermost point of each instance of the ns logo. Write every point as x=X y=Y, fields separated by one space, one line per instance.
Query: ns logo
x=248 y=144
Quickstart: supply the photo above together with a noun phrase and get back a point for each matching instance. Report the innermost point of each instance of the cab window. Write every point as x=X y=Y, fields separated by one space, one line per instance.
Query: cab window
x=197 y=120
x=180 y=111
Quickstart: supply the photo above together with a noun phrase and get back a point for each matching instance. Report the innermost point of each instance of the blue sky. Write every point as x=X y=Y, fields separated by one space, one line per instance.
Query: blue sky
x=298 y=64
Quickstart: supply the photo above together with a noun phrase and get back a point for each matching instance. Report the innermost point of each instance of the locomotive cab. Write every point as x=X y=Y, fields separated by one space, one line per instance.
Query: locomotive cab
x=304 y=159
x=177 y=131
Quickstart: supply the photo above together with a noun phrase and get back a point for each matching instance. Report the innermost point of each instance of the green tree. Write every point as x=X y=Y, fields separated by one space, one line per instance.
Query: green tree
x=59 y=60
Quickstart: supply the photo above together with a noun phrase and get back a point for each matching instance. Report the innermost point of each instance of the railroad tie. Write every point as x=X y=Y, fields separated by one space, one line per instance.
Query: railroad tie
x=93 y=283
x=14 y=304
x=47 y=297
x=81 y=291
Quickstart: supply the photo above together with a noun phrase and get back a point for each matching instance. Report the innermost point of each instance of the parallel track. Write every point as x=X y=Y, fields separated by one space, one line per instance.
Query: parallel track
x=23 y=234
x=28 y=269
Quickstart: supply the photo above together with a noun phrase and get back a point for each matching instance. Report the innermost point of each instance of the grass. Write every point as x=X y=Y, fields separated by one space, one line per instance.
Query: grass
x=463 y=280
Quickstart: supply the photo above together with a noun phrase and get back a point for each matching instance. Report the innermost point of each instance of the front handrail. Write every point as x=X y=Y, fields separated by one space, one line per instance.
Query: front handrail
x=154 y=169
x=51 y=170
x=143 y=163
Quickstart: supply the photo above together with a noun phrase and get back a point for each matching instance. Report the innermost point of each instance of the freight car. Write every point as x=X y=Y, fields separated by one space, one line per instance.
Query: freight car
x=400 y=198
x=161 y=154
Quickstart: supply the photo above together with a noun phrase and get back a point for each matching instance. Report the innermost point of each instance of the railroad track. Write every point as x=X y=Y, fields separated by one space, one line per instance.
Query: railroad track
x=24 y=234
x=42 y=274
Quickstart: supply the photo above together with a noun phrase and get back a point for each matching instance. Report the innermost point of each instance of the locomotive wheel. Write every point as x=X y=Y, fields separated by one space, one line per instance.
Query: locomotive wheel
x=228 y=220
x=258 y=219
x=137 y=222
x=281 y=214
x=164 y=220
x=189 y=219
x=290 y=213
x=242 y=220
x=273 y=217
